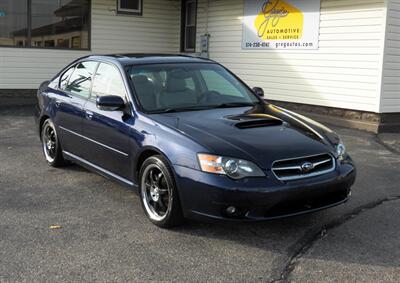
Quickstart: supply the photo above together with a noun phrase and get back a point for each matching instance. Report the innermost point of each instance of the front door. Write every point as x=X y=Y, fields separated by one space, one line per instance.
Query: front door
x=70 y=98
x=107 y=132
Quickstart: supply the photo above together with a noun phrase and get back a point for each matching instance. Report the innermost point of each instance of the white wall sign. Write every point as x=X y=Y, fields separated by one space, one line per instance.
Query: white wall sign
x=281 y=24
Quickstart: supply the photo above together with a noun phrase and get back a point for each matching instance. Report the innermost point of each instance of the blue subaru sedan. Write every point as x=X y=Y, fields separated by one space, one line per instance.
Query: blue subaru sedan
x=192 y=138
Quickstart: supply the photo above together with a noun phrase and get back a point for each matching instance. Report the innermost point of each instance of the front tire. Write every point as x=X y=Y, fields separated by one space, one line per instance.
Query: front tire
x=51 y=145
x=158 y=193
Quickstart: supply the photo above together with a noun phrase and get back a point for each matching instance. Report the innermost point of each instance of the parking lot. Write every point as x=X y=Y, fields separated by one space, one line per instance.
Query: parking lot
x=104 y=235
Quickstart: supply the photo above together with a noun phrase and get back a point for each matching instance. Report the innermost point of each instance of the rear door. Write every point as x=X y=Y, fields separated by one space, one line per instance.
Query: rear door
x=108 y=131
x=73 y=92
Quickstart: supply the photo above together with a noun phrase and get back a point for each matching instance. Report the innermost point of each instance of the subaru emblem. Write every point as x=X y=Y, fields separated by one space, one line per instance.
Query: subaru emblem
x=307 y=167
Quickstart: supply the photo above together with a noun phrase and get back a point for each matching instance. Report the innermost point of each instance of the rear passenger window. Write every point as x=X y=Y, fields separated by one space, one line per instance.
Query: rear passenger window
x=81 y=79
x=108 y=81
x=65 y=77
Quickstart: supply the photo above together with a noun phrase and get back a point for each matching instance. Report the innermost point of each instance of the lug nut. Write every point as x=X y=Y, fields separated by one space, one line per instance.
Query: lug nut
x=231 y=210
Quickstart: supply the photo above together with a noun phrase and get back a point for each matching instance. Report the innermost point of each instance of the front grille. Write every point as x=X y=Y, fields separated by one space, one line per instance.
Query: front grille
x=303 y=167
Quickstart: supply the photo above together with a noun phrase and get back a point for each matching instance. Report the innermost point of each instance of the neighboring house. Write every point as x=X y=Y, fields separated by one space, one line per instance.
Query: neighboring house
x=352 y=75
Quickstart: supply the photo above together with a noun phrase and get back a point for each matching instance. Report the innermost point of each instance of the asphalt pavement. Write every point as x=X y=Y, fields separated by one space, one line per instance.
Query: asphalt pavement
x=100 y=233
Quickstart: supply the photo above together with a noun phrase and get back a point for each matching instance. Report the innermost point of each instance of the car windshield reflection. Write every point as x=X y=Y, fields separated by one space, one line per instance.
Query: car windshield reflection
x=188 y=87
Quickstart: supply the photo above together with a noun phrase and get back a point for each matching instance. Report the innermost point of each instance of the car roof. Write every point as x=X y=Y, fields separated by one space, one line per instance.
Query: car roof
x=143 y=58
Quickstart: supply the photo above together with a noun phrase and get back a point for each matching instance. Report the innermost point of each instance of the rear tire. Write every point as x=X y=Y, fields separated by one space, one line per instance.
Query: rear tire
x=158 y=193
x=51 y=145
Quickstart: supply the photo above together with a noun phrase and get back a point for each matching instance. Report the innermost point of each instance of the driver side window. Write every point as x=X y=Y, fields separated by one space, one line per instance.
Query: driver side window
x=80 y=81
x=108 y=81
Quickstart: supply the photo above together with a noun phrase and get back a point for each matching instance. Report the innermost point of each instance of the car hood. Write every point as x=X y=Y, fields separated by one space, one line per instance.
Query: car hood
x=262 y=134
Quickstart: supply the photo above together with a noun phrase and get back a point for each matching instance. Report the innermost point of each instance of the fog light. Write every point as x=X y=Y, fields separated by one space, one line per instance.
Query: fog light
x=231 y=210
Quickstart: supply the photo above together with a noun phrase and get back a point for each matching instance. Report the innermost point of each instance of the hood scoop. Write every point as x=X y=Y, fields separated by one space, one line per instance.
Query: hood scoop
x=256 y=121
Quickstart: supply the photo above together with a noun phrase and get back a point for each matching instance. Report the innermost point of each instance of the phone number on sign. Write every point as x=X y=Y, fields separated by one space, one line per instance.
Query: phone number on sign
x=278 y=44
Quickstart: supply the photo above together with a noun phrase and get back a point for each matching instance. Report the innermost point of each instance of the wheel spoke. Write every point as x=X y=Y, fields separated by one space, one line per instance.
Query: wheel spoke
x=162 y=205
x=158 y=179
x=46 y=133
x=153 y=179
x=156 y=206
x=147 y=180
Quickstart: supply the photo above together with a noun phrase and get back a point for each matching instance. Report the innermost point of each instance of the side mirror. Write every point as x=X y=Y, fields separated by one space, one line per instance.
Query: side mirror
x=110 y=103
x=258 y=91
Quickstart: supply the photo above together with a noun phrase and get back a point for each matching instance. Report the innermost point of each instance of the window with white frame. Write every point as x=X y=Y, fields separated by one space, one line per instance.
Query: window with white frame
x=130 y=7
x=189 y=13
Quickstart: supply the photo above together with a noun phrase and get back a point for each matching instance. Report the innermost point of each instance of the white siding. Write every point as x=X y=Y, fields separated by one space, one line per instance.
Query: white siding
x=344 y=72
x=158 y=30
x=390 y=101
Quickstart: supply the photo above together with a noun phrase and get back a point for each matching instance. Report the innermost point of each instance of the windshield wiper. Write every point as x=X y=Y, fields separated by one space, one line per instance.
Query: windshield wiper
x=233 y=104
x=181 y=109
x=202 y=107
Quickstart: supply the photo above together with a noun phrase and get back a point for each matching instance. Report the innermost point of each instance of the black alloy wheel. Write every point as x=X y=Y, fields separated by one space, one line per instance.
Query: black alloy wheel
x=158 y=193
x=51 y=145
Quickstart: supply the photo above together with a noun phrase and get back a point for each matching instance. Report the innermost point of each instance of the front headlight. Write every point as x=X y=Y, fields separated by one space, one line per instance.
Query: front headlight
x=341 y=150
x=232 y=167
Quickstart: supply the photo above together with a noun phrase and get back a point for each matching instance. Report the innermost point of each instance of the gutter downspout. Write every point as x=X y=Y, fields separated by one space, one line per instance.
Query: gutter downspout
x=205 y=38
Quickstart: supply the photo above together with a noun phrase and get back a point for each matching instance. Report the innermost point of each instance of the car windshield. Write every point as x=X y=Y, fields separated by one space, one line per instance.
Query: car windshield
x=188 y=86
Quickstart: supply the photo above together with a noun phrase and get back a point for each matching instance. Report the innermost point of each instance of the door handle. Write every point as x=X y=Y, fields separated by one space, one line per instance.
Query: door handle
x=89 y=114
x=58 y=103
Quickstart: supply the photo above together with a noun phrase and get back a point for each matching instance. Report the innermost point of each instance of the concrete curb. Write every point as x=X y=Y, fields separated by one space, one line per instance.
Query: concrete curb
x=17 y=98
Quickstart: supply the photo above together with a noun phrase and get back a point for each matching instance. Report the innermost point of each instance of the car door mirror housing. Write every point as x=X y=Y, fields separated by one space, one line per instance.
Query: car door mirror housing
x=258 y=91
x=110 y=103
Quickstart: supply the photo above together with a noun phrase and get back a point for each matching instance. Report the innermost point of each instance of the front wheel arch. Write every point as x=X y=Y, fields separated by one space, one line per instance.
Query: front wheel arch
x=146 y=153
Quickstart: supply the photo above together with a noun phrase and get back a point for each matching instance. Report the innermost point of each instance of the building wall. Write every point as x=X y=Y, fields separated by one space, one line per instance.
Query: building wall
x=344 y=72
x=390 y=101
x=158 y=30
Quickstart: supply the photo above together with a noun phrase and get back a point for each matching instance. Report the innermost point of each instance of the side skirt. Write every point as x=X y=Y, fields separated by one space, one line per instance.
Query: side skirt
x=103 y=172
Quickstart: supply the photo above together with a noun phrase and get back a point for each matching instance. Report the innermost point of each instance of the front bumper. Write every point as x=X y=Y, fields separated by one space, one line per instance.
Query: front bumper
x=207 y=196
